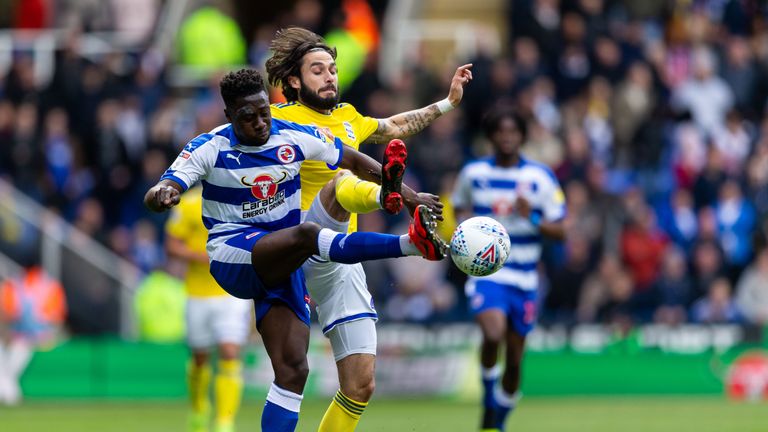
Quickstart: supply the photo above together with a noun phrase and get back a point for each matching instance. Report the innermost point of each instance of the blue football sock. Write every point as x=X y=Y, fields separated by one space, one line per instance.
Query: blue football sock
x=364 y=246
x=505 y=404
x=281 y=412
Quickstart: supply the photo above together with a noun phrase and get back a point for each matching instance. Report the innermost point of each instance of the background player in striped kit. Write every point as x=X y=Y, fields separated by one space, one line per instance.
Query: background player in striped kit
x=527 y=199
x=256 y=242
x=304 y=66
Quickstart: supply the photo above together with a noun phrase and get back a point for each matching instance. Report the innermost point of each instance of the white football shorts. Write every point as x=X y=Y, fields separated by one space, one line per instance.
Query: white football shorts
x=215 y=320
x=339 y=290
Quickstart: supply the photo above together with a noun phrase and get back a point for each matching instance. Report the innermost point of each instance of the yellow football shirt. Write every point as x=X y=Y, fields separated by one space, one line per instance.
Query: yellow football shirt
x=345 y=123
x=186 y=223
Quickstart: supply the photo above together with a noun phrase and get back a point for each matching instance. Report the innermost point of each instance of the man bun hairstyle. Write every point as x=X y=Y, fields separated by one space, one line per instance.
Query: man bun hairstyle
x=241 y=83
x=288 y=48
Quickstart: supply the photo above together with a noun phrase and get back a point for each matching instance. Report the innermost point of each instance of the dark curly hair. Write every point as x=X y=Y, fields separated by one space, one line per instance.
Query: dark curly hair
x=492 y=121
x=288 y=48
x=240 y=83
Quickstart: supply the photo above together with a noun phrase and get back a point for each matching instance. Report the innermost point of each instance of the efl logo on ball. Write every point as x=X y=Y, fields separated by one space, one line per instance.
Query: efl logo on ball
x=480 y=246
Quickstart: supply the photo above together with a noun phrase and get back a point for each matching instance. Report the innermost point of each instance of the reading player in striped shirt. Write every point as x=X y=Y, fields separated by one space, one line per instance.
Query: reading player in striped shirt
x=256 y=244
x=526 y=198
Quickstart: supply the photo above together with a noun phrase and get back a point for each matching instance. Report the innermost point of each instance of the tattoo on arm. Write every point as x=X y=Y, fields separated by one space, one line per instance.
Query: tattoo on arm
x=404 y=124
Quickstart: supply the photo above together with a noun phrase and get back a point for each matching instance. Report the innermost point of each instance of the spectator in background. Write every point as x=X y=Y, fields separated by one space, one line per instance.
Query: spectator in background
x=528 y=62
x=159 y=304
x=736 y=219
x=582 y=216
x=27 y=159
x=678 y=219
x=752 y=291
x=598 y=286
x=740 y=72
x=718 y=307
x=642 y=247
x=146 y=252
x=596 y=121
x=734 y=142
x=7 y=120
x=689 y=152
x=706 y=265
x=135 y=19
x=34 y=307
x=757 y=178
x=567 y=280
x=705 y=95
x=707 y=184
x=616 y=309
x=673 y=289
x=632 y=105
x=422 y=292
x=209 y=38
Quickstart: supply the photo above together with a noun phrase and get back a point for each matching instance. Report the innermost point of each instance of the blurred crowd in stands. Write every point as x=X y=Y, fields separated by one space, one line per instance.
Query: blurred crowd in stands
x=652 y=113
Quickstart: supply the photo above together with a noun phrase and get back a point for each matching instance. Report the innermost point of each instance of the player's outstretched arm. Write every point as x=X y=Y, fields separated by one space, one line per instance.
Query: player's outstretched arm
x=369 y=169
x=411 y=122
x=162 y=196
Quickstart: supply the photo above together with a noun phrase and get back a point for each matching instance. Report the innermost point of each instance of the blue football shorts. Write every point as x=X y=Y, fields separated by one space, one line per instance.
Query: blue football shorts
x=231 y=267
x=518 y=305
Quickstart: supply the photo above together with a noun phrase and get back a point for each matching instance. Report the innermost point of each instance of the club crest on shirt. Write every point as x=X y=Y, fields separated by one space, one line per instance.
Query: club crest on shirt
x=503 y=207
x=350 y=131
x=286 y=154
x=324 y=134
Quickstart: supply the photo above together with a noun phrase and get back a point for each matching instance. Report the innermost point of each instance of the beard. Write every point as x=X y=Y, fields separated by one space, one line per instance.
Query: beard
x=314 y=100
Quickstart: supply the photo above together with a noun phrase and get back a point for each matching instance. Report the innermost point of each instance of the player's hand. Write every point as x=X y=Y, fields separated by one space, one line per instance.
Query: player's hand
x=427 y=199
x=462 y=76
x=523 y=207
x=166 y=197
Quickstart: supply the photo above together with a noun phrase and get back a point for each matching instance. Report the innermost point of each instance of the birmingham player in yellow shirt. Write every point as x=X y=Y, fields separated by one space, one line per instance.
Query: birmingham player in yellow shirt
x=304 y=66
x=214 y=319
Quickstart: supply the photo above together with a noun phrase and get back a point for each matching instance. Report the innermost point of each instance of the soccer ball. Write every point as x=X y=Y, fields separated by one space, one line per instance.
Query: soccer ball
x=480 y=246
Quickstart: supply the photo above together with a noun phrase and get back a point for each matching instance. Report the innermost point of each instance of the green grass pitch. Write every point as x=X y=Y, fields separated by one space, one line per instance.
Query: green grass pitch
x=536 y=414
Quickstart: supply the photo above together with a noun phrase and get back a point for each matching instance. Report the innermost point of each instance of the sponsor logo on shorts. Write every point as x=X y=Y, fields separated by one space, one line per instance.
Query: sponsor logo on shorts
x=477 y=301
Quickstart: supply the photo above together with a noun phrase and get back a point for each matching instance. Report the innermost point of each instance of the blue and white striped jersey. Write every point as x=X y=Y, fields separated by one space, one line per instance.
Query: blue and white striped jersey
x=490 y=190
x=246 y=187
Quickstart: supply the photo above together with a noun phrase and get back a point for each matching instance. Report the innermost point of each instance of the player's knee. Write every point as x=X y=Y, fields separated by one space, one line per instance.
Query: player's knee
x=292 y=373
x=229 y=351
x=200 y=358
x=493 y=336
x=306 y=234
x=365 y=392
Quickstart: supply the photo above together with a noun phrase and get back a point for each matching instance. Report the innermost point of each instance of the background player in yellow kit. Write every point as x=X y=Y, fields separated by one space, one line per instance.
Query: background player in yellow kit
x=304 y=66
x=214 y=319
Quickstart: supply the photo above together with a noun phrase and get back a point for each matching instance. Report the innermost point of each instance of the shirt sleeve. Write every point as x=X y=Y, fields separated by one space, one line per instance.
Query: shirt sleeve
x=554 y=202
x=193 y=163
x=462 y=192
x=320 y=145
x=362 y=126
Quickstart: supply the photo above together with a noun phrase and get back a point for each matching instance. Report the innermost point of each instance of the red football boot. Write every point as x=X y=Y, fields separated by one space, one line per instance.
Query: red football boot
x=392 y=171
x=423 y=234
